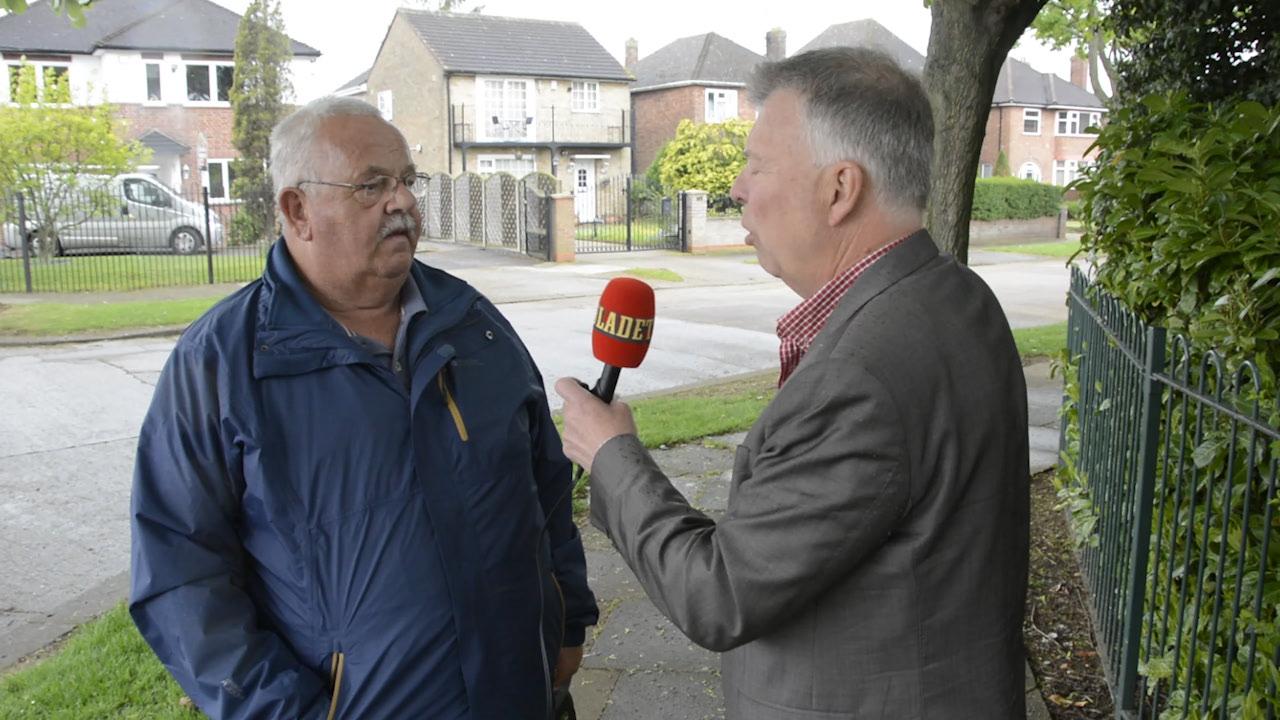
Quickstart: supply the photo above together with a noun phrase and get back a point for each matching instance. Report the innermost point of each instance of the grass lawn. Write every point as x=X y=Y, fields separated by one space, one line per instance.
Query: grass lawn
x=653 y=274
x=616 y=233
x=70 y=318
x=1043 y=341
x=1058 y=249
x=105 y=670
x=106 y=273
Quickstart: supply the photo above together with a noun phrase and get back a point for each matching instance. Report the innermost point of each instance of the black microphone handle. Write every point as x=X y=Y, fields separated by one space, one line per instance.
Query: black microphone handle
x=607 y=383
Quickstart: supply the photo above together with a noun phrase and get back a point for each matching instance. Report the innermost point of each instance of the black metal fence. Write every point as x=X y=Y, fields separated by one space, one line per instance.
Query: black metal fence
x=126 y=234
x=626 y=212
x=1174 y=468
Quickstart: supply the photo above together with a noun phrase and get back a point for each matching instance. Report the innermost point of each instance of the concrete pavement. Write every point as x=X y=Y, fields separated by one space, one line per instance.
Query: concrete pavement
x=72 y=413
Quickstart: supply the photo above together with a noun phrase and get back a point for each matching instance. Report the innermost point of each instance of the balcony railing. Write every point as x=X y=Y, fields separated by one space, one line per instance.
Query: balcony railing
x=549 y=125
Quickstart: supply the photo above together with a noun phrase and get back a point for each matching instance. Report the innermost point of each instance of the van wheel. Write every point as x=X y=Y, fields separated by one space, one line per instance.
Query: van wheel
x=185 y=240
x=34 y=242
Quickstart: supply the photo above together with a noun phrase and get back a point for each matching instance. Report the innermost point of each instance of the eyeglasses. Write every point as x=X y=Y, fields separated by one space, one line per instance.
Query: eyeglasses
x=378 y=188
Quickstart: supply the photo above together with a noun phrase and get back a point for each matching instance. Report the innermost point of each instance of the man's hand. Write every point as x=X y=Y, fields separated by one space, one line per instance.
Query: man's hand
x=590 y=423
x=567 y=665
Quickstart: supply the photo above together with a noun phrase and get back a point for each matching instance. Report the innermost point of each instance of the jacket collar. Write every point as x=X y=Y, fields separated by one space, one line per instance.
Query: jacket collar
x=915 y=251
x=294 y=334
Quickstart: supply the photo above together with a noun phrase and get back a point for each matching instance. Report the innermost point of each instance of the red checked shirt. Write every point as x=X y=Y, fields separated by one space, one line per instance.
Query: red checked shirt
x=798 y=328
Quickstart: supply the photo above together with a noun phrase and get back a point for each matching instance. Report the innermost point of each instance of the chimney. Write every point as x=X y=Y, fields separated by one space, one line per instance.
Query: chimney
x=1079 y=72
x=775 y=45
x=633 y=52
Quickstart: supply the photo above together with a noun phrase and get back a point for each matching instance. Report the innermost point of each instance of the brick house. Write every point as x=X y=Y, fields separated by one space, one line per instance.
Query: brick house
x=166 y=66
x=486 y=94
x=1041 y=123
x=701 y=78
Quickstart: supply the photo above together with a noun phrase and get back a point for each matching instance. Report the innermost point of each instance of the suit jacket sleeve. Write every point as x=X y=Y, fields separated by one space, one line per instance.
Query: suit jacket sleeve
x=188 y=564
x=827 y=487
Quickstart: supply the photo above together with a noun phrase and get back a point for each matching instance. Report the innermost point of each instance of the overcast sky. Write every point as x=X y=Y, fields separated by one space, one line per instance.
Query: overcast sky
x=348 y=32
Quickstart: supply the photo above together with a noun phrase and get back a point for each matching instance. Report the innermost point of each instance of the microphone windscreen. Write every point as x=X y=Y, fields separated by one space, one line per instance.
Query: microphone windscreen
x=624 y=323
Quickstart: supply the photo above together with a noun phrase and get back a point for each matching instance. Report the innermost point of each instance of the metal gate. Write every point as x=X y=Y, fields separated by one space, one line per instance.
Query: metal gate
x=630 y=213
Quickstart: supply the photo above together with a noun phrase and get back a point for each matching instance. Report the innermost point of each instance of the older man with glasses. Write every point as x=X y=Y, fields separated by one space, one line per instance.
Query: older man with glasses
x=349 y=498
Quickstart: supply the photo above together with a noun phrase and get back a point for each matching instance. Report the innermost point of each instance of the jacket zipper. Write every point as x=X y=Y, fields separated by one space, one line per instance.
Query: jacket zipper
x=337 y=661
x=453 y=406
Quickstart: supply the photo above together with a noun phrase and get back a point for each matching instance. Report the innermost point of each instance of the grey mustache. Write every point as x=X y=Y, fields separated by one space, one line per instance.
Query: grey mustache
x=399 y=223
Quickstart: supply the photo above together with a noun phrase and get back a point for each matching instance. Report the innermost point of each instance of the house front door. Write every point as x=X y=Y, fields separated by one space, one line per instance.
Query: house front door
x=584 y=190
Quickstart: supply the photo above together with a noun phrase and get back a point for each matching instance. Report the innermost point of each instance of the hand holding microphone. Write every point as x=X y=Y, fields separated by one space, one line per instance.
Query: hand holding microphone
x=620 y=338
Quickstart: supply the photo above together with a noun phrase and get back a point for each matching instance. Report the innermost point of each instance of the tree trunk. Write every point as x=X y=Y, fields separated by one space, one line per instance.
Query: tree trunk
x=968 y=42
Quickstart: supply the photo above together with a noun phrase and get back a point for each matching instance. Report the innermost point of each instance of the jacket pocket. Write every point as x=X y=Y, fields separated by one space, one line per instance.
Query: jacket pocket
x=452 y=405
x=337 y=661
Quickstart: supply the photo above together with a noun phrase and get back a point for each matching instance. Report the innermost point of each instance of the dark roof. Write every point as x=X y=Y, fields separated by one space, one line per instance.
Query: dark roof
x=698 y=60
x=151 y=25
x=355 y=82
x=869 y=34
x=476 y=43
x=161 y=143
x=1021 y=84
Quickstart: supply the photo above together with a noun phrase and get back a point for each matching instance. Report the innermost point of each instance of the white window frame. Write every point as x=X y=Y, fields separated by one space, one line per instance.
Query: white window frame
x=719 y=104
x=1076 y=123
x=1034 y=166
x=146 y=90
x=40 y=67
x=986 y=170
x=212 y=66
x=508 y=113
x=495 y=163
x=226 y=197
x=1031 y=114
x=586 y=96
x=1066 y=172
x=386 y=104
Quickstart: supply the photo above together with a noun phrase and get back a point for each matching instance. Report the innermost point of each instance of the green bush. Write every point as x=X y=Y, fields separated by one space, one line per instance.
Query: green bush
x=1002 y=198
x=1075 y=209
x=705 y=156
x=1184 y=206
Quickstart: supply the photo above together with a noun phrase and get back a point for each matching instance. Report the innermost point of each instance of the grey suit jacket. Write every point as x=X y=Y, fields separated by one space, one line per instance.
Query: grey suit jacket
x=872 y=562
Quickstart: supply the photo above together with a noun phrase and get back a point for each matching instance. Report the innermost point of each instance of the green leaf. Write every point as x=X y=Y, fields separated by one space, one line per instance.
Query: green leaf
x=1205 y=453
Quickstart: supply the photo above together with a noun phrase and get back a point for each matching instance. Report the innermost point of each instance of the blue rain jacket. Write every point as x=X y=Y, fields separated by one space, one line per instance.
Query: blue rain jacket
x=311 y=540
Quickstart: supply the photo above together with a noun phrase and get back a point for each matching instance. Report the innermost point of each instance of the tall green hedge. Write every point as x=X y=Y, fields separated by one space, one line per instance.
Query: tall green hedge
x=1004 y=198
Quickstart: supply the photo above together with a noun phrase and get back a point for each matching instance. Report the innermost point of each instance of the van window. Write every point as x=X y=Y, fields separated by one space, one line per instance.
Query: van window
x=141 y=191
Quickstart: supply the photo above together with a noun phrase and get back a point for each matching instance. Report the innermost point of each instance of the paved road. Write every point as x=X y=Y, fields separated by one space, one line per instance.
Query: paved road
x=70 y=413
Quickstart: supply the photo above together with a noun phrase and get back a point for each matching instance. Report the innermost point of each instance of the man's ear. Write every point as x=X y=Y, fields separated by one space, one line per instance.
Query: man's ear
x=845 y=184
x=294 y=213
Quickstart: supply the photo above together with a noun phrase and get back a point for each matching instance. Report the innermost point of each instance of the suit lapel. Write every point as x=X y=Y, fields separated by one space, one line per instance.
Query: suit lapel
x=914 y=252
x=903 y=260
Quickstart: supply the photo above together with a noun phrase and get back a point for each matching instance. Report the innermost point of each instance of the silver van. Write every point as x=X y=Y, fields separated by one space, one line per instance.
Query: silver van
x=142 y=215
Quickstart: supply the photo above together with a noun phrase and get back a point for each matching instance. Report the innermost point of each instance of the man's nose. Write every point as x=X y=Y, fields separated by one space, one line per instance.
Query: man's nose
x=402 y=198
x=736 y=190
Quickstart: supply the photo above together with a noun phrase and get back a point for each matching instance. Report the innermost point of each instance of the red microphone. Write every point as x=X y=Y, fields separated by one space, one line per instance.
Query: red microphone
x=623 y=329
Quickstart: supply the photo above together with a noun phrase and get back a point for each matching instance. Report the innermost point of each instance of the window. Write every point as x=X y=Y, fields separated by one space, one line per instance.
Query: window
x=586 y=96
x=221 y=176
x=153 y=82
x=1066 y=171
x=146 y=193
x=208 y=82
x=1073 y=122
x=519 y=167
x=1030 y=122
x=46 y=75
x=985 y=170
x=721 y=105
x=385 y=104
x=506 y=114
x=1029 y=171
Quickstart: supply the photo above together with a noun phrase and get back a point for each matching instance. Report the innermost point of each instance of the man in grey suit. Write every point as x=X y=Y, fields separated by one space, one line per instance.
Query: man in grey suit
x=872 y=562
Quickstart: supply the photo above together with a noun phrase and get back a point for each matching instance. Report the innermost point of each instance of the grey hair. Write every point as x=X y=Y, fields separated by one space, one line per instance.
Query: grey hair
x=860 y=105
x=293 y=140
